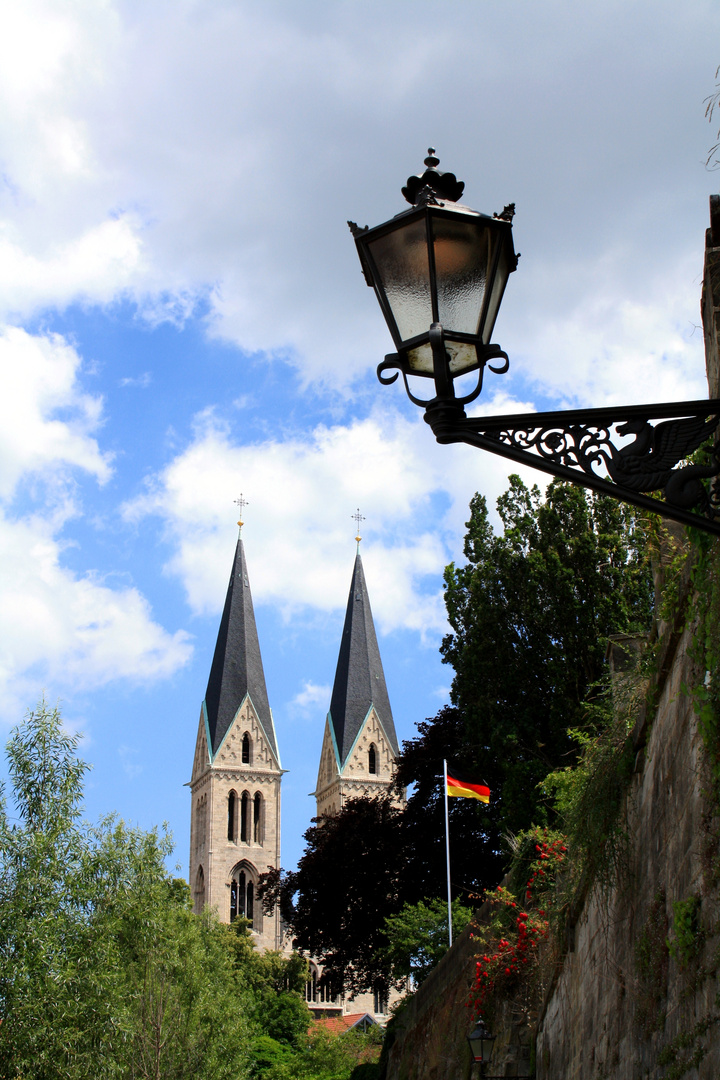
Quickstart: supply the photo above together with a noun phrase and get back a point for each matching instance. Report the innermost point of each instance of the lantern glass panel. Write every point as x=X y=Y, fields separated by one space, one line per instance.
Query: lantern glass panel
x=401 y=258
x=463 y=259
x=504 y=269
x=462 y=356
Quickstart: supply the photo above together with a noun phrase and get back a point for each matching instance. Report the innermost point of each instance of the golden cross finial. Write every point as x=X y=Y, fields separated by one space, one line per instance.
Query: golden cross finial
x=242 y=503
x=357 y=518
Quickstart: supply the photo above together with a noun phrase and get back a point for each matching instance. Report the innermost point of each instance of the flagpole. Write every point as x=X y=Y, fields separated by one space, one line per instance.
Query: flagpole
x=447 y=852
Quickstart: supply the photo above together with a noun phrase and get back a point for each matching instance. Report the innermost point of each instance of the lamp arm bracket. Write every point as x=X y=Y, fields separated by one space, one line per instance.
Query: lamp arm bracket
x=624 y=451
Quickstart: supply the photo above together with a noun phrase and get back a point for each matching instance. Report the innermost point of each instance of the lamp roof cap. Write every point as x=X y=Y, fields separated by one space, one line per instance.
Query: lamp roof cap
x=443 y=184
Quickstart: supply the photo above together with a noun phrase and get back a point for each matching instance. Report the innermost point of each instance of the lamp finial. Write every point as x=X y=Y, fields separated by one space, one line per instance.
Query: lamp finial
x=433 y=182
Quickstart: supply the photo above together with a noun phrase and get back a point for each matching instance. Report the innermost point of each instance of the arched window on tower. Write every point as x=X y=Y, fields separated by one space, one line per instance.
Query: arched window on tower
x=242 y=892
x=199 y=891
x=200 y=824
x=372 y=759
x=244 y=814
x=231 y=817
x=257 y=818
x=249 y=901
x=238 y=887
x=246 y=749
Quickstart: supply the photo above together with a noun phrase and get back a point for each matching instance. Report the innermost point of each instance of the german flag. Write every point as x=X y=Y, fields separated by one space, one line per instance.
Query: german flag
x=466 y=789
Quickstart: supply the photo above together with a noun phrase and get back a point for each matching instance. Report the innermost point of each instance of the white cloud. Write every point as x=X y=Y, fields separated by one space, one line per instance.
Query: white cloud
x=130 y=761
x=39 y=378
x=310 y=702
x=68 y=631
x=60 y=628
x=170 y=152
x=302 y=492
x=617 y=345
x=140 y=381
x=97 y=266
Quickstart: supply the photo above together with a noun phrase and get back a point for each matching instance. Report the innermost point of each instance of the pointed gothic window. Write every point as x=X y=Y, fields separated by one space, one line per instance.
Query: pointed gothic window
x=372 y=759
x=241 y=887
x=244 y=814
x=249 y=903
x=257 y=818
x=199 y=891
x=246 y=749
x=233 y=900
x=231 y=826
x=200 y=824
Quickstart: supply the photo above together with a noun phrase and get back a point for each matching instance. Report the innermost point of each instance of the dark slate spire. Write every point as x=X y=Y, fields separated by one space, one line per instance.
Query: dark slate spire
x=237 y=667
x=359 y=678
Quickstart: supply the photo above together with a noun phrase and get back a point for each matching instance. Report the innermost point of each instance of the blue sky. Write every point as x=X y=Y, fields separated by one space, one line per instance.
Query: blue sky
x=182 y=318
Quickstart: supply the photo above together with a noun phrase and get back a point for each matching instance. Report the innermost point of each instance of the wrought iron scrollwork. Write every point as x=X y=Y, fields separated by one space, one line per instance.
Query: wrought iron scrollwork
x=626 y=452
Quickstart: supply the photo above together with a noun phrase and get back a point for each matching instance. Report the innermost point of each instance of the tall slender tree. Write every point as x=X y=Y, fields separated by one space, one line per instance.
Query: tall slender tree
x=530 y=612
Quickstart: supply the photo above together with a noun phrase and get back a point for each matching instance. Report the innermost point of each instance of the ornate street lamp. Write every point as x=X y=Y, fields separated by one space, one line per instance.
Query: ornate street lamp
x=481 y=1042
x=439 y=271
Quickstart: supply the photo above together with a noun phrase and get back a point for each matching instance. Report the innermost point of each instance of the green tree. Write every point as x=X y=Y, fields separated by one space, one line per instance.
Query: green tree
x=373 y=849
x=531 y=613
x=418 y=936
x=104 y=970
x=322 y=1056
x=186 y=1012
x=57 y=982
x=276 y=991
x=349 y=876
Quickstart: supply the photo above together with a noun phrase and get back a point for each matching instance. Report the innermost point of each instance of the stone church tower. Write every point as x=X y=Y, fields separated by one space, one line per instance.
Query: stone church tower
x=235 y=785
x=357 y=759
x=359 y=745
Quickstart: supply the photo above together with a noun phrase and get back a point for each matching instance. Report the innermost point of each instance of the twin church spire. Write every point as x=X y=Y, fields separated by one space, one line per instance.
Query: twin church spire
x=359 y=685
x=236 y=778
x=237 y=667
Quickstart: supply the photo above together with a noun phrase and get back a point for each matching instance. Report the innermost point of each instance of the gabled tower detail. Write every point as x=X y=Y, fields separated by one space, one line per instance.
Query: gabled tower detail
x=235 y=785
x=359 y=745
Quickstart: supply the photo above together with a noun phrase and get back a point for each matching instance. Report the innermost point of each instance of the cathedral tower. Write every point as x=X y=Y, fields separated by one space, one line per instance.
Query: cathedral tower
x=359 y=744
x=235 y=785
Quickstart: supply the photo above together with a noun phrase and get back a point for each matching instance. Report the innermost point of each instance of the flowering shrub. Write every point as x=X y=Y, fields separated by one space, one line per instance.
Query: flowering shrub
x=515 y=932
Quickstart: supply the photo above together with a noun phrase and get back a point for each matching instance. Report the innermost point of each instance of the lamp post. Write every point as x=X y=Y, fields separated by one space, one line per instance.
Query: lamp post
x=439 y=271
x=481 y=1042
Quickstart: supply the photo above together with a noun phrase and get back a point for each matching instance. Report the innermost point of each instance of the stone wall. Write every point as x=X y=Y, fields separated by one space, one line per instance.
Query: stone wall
x=620 y=1006
x=620 y=998
x=430 y=1039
